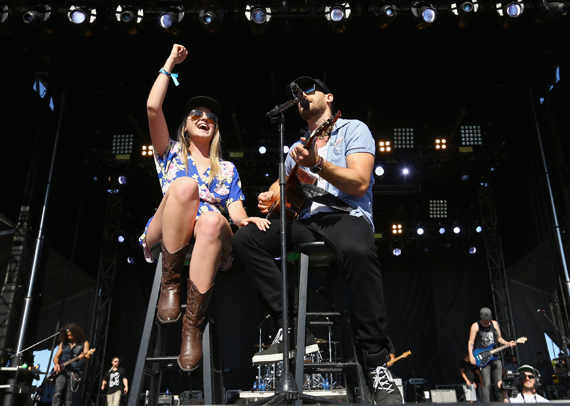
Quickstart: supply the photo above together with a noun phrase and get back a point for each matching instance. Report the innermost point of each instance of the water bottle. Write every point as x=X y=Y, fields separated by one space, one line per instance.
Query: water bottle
x=255 y=386
x=326 y=385
x=262 y=386
x=167 y=392
x=8 y=363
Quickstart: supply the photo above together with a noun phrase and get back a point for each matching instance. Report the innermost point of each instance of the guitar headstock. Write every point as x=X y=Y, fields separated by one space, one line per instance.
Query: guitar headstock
x=406 y=354
x=521 y=340
x=324 y=127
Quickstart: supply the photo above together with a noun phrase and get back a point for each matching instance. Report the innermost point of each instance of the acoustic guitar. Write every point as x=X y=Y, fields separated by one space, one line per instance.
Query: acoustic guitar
x=404 y=355
x=53 y=374
x=294 y=199
x=485 y=355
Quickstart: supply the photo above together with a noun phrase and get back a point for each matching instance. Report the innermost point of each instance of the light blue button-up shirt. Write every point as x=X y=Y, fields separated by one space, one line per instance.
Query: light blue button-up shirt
x=348 y=137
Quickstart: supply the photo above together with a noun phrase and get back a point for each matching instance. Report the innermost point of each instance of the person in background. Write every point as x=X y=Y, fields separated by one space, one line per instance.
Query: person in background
x=544 y=367
x=472 y=377
x=116 y=383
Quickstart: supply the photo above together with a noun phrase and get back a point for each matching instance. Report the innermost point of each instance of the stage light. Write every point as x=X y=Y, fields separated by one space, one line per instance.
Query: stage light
x=397 y=252
x=122 y=147
x=551 y=10
x=128 y=14
x=285 y=149
x=405 y=171
x=438 y=208
x=456 y=229
x=442 y=230
x=171 y=18
x=337 y=14
x=420 y=231
x=464 y=11
x=121 y=238
x=397 y=229
x=80 y=15
x=403 y=138
x=512 y=9
x=384 y=146
x=39 y=14
x=262 y=150
x=122 y=180
x=479 y=229
x=259 y=15
x=472 y=250
x=441 y=143
x=471 y=135
x=130 y=260
x=386 y=15
x=147 y=150
x=425 y=12
x=4 y=12
x=210 y=20
x=379 y=171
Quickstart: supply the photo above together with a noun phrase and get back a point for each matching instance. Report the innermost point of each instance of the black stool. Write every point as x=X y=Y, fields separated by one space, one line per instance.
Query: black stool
x=319 y=254
x=211 y=365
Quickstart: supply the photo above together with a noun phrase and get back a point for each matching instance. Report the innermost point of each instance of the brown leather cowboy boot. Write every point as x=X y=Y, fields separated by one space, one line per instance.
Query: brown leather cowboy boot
x=169 y=301
x=196 y=309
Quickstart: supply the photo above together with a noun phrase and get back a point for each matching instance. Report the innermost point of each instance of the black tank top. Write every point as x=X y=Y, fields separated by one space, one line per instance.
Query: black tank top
x=485 y=336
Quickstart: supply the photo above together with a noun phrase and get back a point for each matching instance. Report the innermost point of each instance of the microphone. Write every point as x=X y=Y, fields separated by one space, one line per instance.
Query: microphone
x=298 y=93
x=540 y=311
x=61 y=330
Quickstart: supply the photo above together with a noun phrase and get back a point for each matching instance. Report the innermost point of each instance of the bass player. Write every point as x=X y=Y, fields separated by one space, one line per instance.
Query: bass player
x=484 y=333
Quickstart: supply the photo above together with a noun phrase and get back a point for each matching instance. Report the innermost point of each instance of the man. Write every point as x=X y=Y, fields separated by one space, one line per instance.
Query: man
x=342 y=161
x=512 y=366
x=528 y=378
x=73 y=346
x=468 y=372
x=484 y=333
x=546 y=372
x=116 y=383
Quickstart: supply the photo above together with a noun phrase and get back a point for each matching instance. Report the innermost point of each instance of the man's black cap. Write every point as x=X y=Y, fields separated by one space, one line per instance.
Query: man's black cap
x=304 y=82
x=205 y=101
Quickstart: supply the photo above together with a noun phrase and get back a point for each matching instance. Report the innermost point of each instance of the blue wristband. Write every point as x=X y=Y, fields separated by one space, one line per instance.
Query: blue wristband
x=174 y=76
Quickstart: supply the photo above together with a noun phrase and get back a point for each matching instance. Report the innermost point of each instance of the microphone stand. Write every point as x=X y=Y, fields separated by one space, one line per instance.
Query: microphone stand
x=286 y=388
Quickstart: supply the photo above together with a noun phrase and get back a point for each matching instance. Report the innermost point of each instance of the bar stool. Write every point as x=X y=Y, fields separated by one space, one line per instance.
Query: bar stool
x=319 y=254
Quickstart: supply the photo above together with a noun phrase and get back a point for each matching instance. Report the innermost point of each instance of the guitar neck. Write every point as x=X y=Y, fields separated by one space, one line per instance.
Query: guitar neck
x=391 y=362
x=501 y=348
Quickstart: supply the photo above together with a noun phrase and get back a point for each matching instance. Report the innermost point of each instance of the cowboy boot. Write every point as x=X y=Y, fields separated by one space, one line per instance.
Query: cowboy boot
x=169 y=300
x=196 y=309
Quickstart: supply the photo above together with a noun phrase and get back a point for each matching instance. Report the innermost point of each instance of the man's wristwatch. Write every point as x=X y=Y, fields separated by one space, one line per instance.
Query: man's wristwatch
x=316 y=168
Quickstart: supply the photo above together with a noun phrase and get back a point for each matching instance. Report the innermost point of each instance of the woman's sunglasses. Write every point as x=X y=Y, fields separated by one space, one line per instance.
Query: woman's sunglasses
x=197 y=114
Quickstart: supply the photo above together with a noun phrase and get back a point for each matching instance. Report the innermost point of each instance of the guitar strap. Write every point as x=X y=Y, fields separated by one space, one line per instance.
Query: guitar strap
x=319 y=195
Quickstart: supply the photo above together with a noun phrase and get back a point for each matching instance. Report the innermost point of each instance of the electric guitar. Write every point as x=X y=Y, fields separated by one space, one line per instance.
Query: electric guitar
x=294 y=199
x=485 y=355
x=53 y=374
x=404 y=355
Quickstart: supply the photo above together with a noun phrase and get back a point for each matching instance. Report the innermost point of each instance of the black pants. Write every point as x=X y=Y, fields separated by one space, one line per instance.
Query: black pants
x=353 y=240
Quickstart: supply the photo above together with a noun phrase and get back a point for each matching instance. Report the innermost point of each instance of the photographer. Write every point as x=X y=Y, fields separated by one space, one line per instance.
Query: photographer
x=528 y=377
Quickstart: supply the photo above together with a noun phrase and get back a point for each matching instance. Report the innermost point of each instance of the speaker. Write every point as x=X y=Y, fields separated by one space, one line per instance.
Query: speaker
x=443 y=395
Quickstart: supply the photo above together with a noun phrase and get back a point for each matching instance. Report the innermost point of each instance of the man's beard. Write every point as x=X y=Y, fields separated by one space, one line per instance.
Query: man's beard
x=315 y=110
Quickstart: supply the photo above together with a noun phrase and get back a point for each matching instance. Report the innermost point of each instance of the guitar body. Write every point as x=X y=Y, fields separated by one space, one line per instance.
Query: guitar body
x=294 y=199
x=53 y=374
x=483 y=356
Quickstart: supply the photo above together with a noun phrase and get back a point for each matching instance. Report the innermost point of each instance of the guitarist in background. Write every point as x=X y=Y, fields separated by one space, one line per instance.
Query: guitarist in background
x=484 y=333
x=73 y=344
x=342 y=161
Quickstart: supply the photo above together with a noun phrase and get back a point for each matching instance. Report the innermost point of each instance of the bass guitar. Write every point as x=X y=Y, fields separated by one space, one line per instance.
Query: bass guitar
x=53 y=374
x=485 y=355
x=294 y=199
x=404 y=355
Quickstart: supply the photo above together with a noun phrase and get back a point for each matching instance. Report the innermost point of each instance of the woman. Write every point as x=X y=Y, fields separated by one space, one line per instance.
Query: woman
x=197 y=186
x=73 y=345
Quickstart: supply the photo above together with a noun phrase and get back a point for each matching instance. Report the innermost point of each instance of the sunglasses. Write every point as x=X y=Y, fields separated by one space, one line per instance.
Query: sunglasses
x=310 y=90
x=529 y=376
x=197 y=114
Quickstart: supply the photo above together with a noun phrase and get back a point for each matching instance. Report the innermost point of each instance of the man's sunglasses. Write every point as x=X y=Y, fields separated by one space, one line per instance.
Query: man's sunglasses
x=197 y=114
x=529 y=376
x=310 y=90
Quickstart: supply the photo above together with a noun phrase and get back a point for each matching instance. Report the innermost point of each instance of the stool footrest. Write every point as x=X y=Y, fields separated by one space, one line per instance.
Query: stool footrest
x=168 y=358
x=328 y=366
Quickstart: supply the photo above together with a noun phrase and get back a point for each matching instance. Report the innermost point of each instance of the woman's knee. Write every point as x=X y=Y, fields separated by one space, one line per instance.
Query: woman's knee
x=184 y=189
x=211 y=224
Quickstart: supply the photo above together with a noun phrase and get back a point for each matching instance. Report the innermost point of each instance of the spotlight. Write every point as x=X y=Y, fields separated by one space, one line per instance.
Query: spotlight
x=122 y=180
x=464 y=11
x=442 y=230
x=80 y=15
x=403 y=137
x=420 y=231
x=425 y=12
x=456 y=229
x=130 y=260
x=379 y=171
x=471 y=135
x=121 y=238
x=285 y=149
x=39 y=14
x=171 y=18
x=337 y=15
x=210 y=20
x=4 y=11
x=440 y=143
x=384 y=146
x=386 y=15
x=122 y=146
x=127 y=14
x=397 y=252
x=551 y=10
x=146 y=150
x=472 y=250
x=397 y=229
x=438 y=208
x=259 y=16
x=510 y=8
x=405 y=171
x=479 y=229
x=262 y=150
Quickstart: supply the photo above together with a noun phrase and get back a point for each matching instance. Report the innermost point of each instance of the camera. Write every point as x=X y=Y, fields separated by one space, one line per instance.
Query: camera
x=510 y=383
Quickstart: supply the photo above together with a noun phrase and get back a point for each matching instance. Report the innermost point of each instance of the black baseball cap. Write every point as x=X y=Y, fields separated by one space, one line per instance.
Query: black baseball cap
x=205 y=101
x=485 y=314
x=305 y=82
